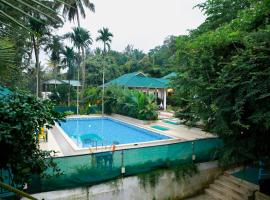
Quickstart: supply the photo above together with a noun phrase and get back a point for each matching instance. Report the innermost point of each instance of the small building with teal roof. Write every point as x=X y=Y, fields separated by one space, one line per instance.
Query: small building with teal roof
x=138 y=80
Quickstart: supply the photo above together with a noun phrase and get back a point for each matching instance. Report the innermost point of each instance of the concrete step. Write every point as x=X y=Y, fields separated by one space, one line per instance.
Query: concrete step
x=201 y=197
x=228 y=193
x=250 y=186
x=214 y=194
x=236 y=188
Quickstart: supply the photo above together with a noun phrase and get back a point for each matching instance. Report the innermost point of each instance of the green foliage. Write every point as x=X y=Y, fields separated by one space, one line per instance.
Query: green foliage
x=69 y=113
x=60 y=94
x=69 y=60
x=132 y=103
x=55 y=47
x=14 y=13
x=80 y=37
x=105 y=37
x=182 y=171
x=92 y=95
x=72 y=8
x=159 y=62
x=224 y=80
x=22 y=117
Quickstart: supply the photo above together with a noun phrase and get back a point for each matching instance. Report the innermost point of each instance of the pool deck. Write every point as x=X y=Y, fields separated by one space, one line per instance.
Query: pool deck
x=57 y=141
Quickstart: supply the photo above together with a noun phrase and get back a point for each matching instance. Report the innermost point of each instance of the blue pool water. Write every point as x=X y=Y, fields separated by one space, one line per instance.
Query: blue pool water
x=89 y=132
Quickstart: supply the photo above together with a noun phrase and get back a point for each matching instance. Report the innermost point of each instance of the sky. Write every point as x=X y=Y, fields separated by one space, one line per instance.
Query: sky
x=141 y=23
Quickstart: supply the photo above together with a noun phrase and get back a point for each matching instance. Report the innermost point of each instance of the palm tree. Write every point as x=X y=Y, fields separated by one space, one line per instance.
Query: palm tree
x=55 y=47
x=69 y=57
x=72 y=8
x=81 y=39
x=105 y=37
x=39 y=31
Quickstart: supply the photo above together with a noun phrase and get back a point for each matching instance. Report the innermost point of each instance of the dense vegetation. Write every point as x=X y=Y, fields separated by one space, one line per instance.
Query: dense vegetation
x=132 y=103
x=22 y=116
x=224 y=78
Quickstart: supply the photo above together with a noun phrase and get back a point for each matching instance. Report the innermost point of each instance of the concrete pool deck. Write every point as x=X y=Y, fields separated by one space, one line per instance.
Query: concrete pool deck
x=58 y=142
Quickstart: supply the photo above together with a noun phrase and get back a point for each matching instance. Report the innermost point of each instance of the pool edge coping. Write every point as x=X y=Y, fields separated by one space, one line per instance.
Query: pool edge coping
x=120 y=146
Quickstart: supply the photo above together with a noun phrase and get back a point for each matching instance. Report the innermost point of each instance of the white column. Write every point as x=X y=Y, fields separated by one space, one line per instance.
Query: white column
x=165 y=99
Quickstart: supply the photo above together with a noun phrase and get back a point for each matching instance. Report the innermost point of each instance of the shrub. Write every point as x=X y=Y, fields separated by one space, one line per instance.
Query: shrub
x=132 y=103
x=22 y=117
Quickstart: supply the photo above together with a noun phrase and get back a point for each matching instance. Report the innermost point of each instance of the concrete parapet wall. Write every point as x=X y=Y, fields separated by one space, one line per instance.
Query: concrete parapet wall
x=166 y=186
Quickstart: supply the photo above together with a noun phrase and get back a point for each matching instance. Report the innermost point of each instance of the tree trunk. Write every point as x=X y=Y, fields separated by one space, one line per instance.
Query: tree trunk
x=83 y=69
x=55 y=74
x=78 y=77
x=36 y=49
x=69 y=92
x=103 y=77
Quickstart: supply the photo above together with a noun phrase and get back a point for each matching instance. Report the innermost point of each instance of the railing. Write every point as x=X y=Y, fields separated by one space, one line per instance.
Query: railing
x=15 y=191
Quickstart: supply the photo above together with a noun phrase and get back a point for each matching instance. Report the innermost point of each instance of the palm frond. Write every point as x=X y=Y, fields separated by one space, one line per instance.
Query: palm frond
x=22 y=10
x=89 y=5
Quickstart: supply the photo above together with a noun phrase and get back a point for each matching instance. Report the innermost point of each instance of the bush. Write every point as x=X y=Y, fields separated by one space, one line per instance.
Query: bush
x=69 y=113
x=22 y=116
x=60 y=94
x=132 y=103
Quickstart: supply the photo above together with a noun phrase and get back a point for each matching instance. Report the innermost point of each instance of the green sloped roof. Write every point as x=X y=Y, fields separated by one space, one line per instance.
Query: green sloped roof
x=138 y=80
x=168 y=76
x=4 y=91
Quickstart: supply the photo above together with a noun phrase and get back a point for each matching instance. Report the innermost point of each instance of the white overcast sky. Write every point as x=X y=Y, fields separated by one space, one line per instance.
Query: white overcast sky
x=142 y=23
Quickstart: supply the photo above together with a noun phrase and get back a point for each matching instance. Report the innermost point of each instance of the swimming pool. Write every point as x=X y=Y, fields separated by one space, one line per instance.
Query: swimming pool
x=92 y=132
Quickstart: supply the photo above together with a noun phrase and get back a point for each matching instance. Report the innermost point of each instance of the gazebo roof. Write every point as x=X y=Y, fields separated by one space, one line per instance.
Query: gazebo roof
x=74 y=83
x=139 y=80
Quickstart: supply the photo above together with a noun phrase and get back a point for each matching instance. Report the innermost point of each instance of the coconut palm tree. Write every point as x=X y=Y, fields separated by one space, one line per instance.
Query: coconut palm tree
x=105 y=37
x=69 y=59
x=81 y=39
x=55 y=47
x=72 y=9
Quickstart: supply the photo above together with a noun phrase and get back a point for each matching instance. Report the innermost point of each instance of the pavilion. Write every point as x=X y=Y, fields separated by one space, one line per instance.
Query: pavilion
x=52 y=83
x=160 y=87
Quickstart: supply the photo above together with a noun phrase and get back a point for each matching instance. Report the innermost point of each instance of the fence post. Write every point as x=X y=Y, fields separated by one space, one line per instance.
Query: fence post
x=123 y=169
x=193 y=152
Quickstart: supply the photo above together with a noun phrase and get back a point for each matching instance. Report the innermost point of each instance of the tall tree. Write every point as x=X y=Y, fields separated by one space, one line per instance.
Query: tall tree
x=24 y=21
x=69 y=57
x=105 y=37
x=72 y=9
x=39 y=30
x=81 y=39
x=55 y=47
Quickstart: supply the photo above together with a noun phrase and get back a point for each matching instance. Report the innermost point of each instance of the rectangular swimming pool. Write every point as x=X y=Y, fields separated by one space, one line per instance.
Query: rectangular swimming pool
x=92 y=132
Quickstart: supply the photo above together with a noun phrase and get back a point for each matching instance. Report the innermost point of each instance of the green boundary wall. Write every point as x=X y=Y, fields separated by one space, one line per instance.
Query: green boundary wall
x=89 y=169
